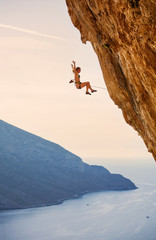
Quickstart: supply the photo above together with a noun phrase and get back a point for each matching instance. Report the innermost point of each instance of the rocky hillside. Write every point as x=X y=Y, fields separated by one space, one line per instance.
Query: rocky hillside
x=35 y=172
x=122 y=33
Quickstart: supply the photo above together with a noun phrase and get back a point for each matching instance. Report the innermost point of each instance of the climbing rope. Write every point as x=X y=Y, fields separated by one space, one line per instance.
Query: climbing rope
x=100 y=87
x=71 y=81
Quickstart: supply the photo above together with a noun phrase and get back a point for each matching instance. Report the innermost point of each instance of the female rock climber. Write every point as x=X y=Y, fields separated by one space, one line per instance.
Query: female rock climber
x=78 y=84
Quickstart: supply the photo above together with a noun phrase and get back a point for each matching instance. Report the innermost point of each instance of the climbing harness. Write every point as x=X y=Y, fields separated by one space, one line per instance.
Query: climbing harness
x=79 y=84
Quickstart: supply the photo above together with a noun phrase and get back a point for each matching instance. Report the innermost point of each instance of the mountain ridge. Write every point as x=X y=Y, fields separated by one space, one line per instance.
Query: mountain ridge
x=36 y=172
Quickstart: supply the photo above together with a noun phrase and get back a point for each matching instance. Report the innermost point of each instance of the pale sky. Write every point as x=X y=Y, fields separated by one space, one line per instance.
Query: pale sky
x=38 y=43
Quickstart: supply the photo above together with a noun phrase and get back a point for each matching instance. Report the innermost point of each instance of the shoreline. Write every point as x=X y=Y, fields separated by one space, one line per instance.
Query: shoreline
x=61 y=201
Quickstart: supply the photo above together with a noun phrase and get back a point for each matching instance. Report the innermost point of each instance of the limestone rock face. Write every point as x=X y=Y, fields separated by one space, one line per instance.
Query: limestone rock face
x=122 y=33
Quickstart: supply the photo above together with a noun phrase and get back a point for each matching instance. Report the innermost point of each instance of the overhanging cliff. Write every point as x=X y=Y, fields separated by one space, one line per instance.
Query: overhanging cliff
x=122 y=33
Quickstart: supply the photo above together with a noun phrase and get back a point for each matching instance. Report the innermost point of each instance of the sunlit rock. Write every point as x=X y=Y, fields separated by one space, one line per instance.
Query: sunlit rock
x=122 y=33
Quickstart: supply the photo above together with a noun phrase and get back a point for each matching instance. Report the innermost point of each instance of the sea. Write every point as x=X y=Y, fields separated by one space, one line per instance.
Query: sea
x=107 y=215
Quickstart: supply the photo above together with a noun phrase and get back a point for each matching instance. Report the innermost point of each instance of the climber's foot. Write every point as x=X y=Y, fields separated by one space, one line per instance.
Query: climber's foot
x=94 y=91
x=88 y=93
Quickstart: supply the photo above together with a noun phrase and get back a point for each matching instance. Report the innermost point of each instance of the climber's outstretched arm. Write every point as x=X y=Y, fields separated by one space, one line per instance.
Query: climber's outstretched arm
x=73 y=66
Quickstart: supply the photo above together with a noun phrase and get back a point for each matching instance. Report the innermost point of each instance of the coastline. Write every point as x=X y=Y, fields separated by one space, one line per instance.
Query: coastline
x=61 y=201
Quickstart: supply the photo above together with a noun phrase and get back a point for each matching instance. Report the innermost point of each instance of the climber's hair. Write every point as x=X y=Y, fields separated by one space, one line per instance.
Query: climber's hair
x=78 y=68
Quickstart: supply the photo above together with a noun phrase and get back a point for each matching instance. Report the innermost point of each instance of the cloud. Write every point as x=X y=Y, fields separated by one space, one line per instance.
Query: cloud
x=31 y=32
